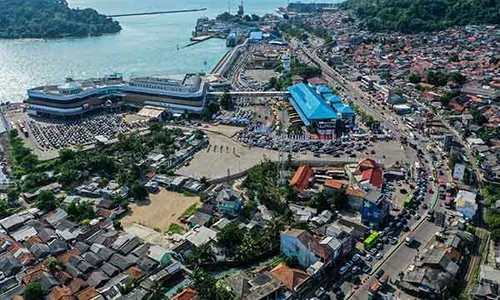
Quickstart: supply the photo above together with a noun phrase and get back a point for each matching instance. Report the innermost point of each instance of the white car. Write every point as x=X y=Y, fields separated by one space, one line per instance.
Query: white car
x=379 y=256
x=368 y=257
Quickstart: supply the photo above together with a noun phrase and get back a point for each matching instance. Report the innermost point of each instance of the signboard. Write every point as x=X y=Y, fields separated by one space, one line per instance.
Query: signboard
x=458 y=171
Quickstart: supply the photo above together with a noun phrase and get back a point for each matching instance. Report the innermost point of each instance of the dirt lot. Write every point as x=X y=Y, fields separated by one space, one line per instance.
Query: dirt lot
x=261 y=74
x=164 y=209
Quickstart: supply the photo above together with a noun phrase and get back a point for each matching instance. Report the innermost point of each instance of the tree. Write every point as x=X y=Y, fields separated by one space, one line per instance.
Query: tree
x=4 y=207
x=415 y=78
x=138 y=192
x=33 y=291
x=225 y=100
x=273 y=83
x=52 y=264
x=495 y=235
x=80 y=211
x=12 y=193
x=230 y=236
x=46 y=201
x=204 y=283
x=201 y=254
x=157 y=292
x=51 y=19
x=117 y=225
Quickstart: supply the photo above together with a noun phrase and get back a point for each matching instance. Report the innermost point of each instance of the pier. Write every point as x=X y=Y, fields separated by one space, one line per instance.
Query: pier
x=158 y=12
x=198 y=39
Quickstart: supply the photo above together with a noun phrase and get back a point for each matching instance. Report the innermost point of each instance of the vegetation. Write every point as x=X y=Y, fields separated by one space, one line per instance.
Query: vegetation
x=23 y=159
x=337 y=199
x=207 y=286
x=33 y=291
x=175 y=228
x=410 y=16
x=46 y=201
x=190 y=211
x=225 y=101
x=367 y=119
x=414 y=78
x=438 y=78
x=297 y=28
x=80 y=211
x=201 y=254
x=51 y=19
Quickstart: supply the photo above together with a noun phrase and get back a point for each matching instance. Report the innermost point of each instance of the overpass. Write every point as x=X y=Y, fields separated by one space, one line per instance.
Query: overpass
x=251 y=93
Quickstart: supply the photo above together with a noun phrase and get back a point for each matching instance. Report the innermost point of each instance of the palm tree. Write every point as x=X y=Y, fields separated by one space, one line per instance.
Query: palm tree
x=157 y=292
x=202 y=254
x=249 y=247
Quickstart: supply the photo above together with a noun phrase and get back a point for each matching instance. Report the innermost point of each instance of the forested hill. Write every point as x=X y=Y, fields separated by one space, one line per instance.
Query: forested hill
x=411 y=16
x=51 y=19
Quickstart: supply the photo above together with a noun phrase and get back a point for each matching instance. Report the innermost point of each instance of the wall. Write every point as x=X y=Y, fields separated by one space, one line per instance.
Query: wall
x=291 y=246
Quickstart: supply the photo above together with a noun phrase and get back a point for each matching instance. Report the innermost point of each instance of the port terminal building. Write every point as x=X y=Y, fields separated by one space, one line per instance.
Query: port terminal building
x=76 y=97
x=321 y=112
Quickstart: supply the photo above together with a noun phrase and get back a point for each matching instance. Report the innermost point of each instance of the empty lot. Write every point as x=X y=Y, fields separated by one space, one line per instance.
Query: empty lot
x=163 y=209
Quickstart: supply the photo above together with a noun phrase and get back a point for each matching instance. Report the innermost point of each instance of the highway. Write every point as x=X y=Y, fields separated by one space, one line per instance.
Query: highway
x=399 y=260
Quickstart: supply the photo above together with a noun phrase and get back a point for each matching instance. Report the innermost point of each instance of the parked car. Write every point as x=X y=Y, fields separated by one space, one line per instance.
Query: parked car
x=368 y=257
x=367 y=268
x=379 y=273
x=379 y=256
x=319 y=292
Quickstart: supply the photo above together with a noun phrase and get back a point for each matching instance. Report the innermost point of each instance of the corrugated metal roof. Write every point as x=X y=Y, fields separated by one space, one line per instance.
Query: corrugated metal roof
x=310 y=103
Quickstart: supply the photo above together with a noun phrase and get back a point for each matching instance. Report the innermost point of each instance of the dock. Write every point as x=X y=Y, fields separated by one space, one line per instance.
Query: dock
x=158 y=12
x=198 y=39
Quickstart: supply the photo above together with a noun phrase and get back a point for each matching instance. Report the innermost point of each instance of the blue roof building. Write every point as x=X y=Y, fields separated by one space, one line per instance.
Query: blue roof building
x=314 y=112
x=323 y=89
x=332 y=98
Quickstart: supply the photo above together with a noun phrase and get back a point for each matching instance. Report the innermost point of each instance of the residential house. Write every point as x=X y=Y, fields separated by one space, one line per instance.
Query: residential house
x=375 y=208
x=307 y=248
x=293 y=279
x=187 y=294
x=229 y=203
x=302 y=178
x=465 y=202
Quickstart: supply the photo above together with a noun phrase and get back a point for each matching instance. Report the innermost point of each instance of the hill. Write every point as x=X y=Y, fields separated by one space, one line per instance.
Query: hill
x=51 y=19
x=410 y=16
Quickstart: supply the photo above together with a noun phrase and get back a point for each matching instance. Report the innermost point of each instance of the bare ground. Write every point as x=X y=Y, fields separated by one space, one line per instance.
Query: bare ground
x=163 y=209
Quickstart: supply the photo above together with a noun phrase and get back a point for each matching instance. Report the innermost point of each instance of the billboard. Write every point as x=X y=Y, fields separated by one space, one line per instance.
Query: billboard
x=458 y=171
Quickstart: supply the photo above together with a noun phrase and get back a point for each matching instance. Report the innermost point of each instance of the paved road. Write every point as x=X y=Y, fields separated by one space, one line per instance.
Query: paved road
x=400 y=260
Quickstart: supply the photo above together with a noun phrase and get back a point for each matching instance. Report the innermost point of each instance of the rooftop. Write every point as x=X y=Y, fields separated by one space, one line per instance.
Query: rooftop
x=310 y=103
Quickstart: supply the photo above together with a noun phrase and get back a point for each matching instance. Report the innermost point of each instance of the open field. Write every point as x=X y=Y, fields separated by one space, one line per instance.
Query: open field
x=163 y=209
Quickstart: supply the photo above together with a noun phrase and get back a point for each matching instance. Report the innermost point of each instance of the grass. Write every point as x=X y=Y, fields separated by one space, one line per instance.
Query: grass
x=190 y=211
x=176 y=228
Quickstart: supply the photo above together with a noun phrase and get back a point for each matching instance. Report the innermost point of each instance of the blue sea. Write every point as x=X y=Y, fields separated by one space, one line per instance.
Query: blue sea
x=147 y=45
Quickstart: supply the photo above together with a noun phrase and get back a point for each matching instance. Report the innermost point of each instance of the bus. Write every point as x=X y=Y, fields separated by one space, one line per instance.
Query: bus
x=409 y=201
x=371 y=240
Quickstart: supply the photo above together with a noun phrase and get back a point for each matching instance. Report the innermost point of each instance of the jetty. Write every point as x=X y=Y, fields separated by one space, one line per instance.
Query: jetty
x=198 y=39
x=158 y=12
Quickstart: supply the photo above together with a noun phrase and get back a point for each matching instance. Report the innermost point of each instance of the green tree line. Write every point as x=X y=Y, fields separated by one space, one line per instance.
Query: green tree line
x=411 y=16
x=51 y=19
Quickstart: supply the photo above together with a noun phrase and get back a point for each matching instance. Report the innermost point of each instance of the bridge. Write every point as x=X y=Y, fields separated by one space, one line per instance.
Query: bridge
x=158 y=12
x=250 y=94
